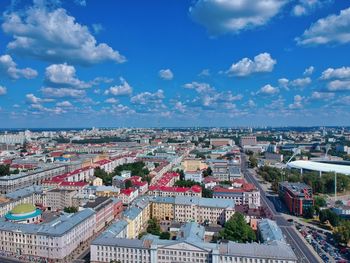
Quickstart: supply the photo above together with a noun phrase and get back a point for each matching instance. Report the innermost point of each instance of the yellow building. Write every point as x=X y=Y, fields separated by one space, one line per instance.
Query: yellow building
x=193 y=165
x=97 y=182
x=163 y=211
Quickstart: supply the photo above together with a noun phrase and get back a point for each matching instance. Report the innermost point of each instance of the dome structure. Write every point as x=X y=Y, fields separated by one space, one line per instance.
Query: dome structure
x=24 y=213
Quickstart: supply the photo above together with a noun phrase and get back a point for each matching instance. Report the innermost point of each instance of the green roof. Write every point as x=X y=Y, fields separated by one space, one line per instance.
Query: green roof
x=23 y=209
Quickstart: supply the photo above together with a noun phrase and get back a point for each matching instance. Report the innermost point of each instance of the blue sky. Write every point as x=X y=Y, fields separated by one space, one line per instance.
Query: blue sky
x=79 y=63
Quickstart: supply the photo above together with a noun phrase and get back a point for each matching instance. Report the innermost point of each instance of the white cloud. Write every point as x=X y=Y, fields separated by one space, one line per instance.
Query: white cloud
x=251 y=103
x=283 y=83
x=64 y=104
x=308 y=71
x=9 y=68
x=124 y=89
x=3 y=90
x=55 y=36
x=97 y=28
x=245 y=67
x=339 y=85
x=199 y=87
x=64 y=75
x=166 y=74
x=227 y=16
x=268 y=90
x=80 y=2
x=298 y=102
x=32 y=99
x=148 y=97
x=322 y=95
x=338 y=73
x=304 y=7
x=111 y=100
x=331 y=29
x=121 y=109
x=204 y=73
x=62 y=92
x=300 y=82
x=180 y=106
x=296 y=83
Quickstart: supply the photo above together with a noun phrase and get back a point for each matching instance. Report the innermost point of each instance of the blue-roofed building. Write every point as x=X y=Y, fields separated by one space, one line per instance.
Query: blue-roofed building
x=269 y=231
x=53 y=240
x=189 y=246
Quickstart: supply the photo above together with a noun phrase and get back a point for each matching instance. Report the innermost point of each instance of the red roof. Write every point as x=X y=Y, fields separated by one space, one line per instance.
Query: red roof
x=195 y=188
x=127 y=191
x=102 y=162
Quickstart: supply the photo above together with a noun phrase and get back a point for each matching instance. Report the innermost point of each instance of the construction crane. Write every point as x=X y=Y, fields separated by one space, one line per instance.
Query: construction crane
x=296 y=151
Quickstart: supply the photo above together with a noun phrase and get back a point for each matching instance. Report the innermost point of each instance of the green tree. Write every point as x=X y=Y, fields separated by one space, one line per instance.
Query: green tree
x=4 y=169
x=320 y=201
x=309 y=212
x=153 y=227
x=342 y=232
x=70 y=209
x=128 y=184
x=164 y=235
x=236 y=229
x=330 y=216
x=253 y=161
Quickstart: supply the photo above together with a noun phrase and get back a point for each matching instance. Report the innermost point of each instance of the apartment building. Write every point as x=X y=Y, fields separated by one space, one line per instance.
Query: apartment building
x=58 y=199
x=29 y=195
x=247 y=140
x=10 y=183
x=172 y=191
x=53 y=240
x=189 y=246
x=197 y=209
x=241 y=192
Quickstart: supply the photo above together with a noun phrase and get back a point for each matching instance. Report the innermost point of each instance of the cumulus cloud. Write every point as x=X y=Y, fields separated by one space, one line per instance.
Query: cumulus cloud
x=124 y=89
x=227 y=16
x=180 y=106
x=3 y=90
x=64 y=104
x=111 y=100
x=64 y=75
x=199 y=87
x=338 y=73
x=304 y=7
x=166 y=74
x=316 y=95
x=245 y=67
x=251 y=103
x=268 y=90
x=300 y=82
x=208 y=96
x=62 y=92
x=308 y=71
x=296 y=83
x=333 y=29
x=148 y=97
x=339 y=85
x=54 y=36
x=32 y=99
x=298 y=103
x=9 y=68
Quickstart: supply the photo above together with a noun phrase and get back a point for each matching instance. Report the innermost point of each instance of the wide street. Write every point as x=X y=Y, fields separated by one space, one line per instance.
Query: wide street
x=301 y=250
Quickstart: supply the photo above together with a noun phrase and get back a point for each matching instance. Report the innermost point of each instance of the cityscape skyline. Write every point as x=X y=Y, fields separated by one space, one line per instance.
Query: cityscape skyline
x=66 y=64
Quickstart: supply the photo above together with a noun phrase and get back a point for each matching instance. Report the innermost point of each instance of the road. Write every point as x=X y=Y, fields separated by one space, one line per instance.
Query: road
x=300 y=248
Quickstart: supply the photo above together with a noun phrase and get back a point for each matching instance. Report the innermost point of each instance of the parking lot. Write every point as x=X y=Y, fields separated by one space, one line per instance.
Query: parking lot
x=324 y=244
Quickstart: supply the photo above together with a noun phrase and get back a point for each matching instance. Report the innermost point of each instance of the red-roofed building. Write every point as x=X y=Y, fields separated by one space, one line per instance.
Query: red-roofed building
x=241 y=192
x=128 y=195
x=172 y=191
x=137 y=182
